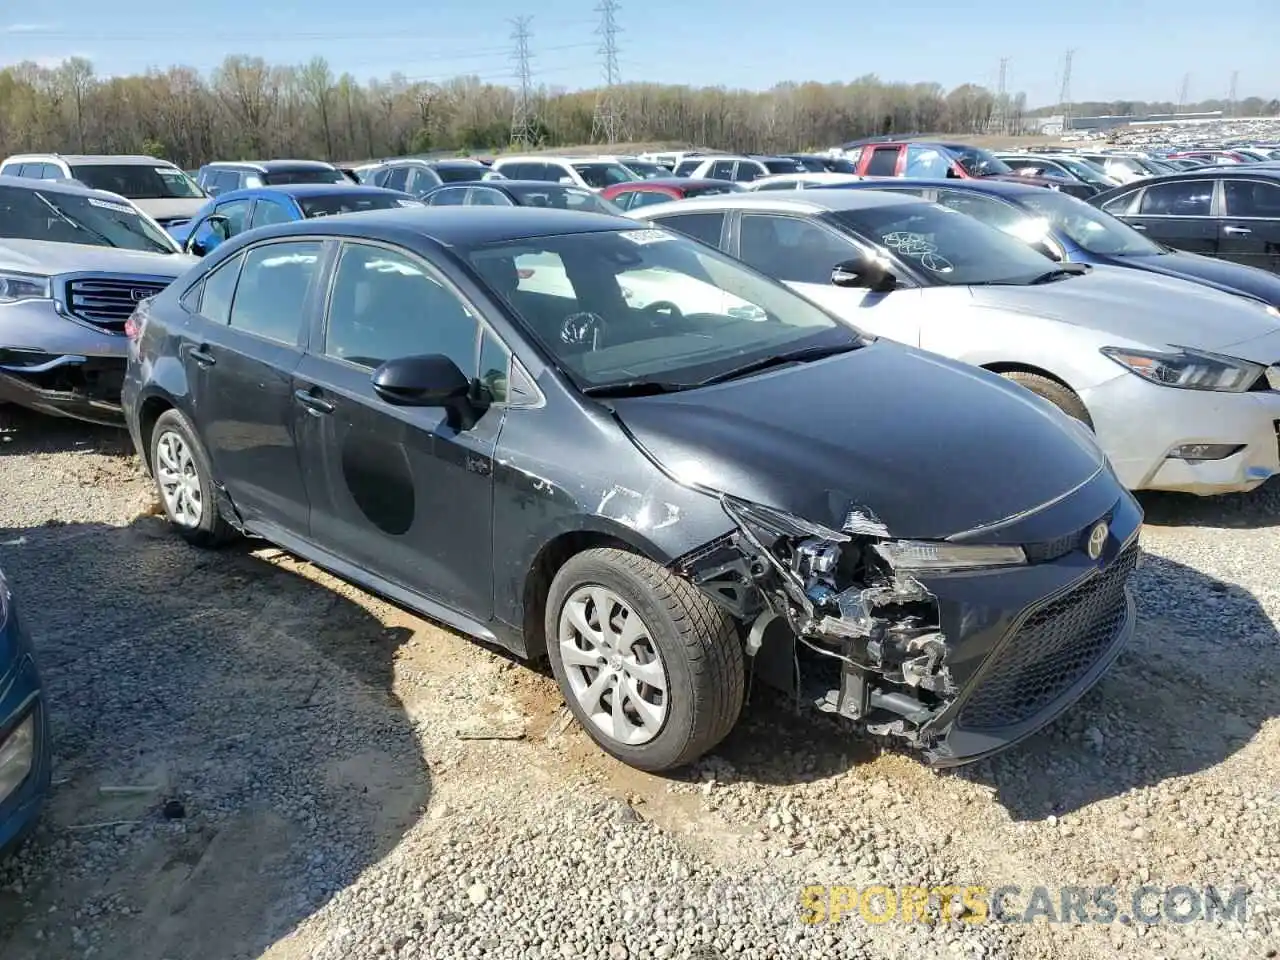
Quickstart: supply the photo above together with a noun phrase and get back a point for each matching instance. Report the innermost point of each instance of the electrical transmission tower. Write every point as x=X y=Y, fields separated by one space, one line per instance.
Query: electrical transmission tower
x=1064 y=96
x=1231 y=95
x=608 y=123
x=524 y=126
x=998 y=122
x=1184 y=91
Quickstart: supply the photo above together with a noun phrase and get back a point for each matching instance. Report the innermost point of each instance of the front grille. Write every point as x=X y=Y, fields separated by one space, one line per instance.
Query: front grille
x=1049 y=550
x=1052 y=649
x=107 y=302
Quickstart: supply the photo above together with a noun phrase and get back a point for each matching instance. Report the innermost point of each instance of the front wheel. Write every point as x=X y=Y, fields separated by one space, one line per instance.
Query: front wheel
x=1061 y=396
x=184 y=481
x=651 y=668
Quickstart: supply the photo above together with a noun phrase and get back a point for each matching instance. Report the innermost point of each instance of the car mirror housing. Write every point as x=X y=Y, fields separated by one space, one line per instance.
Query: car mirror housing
x=432 y=380
x=864 y=271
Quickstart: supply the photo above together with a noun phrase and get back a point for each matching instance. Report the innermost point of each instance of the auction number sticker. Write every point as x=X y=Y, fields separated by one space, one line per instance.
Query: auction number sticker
x=107 y=205
x=643 y=237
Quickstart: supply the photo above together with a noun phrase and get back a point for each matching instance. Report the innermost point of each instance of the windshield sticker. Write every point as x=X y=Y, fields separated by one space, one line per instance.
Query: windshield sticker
x=411 y=203
x=642 y=237
x=166 y=171
x=106 y=205
x=919 y=248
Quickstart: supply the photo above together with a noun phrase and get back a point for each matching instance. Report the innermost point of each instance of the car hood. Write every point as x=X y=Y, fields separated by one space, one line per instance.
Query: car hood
x=1139 y=306
x=931 y=447
x=163 y=209
x=47 y=259
x=1222 y=273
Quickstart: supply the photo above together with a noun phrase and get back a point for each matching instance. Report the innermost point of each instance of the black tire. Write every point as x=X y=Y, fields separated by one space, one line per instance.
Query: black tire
x=697 y=641
x=212 y=530
x=1061 y=396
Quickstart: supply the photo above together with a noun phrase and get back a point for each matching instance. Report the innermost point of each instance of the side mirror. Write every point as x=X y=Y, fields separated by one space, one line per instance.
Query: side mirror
x=206 y=235
x=428 y=381
x=865 y=271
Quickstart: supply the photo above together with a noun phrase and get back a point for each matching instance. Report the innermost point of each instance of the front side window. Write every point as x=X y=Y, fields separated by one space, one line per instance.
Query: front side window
x=648 y=305
x=237 y=214
x=332 y=204
x=792 y=249
x=1089 y=228
x=448 y=197
x=271 y=297
x=268 y=212
x=422 y=179
x=385 y=305
x=748 y=170
x=978 y=162
x=1251 y=198
x=138 y=181
x=1178 y=198
x=1121 y=204
x=925 y=162
x=945 y=247
x=36 y=213
x=600 y=175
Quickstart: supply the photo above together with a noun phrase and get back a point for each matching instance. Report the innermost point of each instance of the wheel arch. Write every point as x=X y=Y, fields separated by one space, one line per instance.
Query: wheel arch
x=150 y=408
x=1012 y=366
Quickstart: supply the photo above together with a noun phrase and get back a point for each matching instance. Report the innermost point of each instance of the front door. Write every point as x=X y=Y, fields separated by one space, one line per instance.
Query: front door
x=802 y=253
x=1178 y=213
x=1249 y=228
x=240 y=354
x=404 y=492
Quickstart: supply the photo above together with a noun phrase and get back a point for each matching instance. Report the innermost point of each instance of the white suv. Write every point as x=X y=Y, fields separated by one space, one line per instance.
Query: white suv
x=588 y=172
x=156 y=187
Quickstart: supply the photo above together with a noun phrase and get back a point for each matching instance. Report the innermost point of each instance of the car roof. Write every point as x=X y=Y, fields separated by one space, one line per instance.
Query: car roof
x=55 y=186
x=269 y=166
x=804 y=201
x=680 y=183
x=303 y=190
x=457 y=226
x=1001 y=188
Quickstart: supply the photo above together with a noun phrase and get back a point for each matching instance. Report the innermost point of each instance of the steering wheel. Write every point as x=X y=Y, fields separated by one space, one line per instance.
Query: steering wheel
x=659 y=307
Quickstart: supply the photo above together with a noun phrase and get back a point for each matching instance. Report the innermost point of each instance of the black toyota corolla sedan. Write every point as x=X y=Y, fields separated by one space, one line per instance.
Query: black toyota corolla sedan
x=626 y=451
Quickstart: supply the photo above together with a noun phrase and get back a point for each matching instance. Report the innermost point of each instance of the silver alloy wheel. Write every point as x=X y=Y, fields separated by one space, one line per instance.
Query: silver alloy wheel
x=613 y=666
x=179 y=479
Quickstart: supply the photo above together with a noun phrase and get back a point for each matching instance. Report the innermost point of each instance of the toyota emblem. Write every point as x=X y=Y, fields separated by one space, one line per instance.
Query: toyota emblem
x=138 y=294
x=1097 y=538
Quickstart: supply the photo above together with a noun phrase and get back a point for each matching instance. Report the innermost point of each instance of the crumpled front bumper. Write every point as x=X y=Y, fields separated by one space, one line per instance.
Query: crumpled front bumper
x=55 y=365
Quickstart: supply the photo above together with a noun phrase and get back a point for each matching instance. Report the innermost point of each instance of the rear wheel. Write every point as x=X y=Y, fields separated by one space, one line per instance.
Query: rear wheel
x=651 y=668
x=184 y=481
x=1060 y=395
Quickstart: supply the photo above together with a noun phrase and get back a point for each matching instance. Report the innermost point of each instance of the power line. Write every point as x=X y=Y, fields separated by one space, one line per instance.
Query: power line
x=608 y=123
x=1064 y=96
x=1231 y=93
x=998 y=122
x=1184 y=91
x=523 y=125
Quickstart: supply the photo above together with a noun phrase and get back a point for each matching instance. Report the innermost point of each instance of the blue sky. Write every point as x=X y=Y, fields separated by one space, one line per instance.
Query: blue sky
x=1137 y=49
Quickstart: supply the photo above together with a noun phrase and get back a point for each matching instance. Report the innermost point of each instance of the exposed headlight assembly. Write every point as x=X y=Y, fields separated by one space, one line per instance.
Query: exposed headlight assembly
x=17 y=756
x=21 y=286
x=1188 y=369
x=921 y=556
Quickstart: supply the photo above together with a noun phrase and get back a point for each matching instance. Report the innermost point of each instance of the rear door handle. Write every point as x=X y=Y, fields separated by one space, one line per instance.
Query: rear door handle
x=202 y=356
x=1237 y=231
x=315 y=405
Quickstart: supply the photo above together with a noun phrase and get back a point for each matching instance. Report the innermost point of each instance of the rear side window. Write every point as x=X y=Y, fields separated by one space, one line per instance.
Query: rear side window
x=706 y=227
x=448 y=197
x=1178 y=198
x=884 y=161
x=1120 y=204
x=271 y=297
x=214 y=301
x=397 y=178
x=747 y=170
x=1251 y=198
x=721 y=170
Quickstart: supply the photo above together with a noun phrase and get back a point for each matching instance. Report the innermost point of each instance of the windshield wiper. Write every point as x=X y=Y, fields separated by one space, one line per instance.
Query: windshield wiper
x=1061 y=273
x=802 y=355
x=71 y=221
x=634 y=388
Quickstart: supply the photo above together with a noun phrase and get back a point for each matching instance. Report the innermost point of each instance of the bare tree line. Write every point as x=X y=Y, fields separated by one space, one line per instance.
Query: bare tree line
x=250 y=109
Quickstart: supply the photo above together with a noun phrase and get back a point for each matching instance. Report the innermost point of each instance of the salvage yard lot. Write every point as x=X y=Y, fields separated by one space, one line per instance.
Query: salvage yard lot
x=357 y=782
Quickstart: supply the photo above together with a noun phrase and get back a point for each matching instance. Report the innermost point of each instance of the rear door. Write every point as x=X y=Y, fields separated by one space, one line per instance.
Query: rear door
x=1179 y=213
x=1249 y=228
x=240 y=354
x=401 y=491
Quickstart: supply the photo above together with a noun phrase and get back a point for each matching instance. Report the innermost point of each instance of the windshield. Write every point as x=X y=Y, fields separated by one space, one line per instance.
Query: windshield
x=138 y=182
x=978 y=162
x=647 y=304
x=332 y=204
x=1086 y=172
x=646 y=170
x=59 y=217
x=1090 y=228
x=460 y=172
x=278 y=178
x=784 y=165
x=564 y=198
x=947 y=247
x=604 y=174
x=812 y=164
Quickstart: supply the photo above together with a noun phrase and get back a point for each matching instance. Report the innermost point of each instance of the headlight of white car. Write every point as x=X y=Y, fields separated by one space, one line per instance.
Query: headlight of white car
x=1188 y=369
x=21 y=286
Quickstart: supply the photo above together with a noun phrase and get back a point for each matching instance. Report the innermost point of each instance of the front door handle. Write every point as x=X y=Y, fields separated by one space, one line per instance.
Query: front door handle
x=1139 y=227
x=202 y=356
x=1237 y=231
x=315 y=405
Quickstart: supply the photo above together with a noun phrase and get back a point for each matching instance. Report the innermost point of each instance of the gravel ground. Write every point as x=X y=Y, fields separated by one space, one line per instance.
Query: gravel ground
x=256 y=760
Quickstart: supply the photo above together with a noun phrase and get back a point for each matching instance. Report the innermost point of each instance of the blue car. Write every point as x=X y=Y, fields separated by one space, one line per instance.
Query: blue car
x=24 y=730
x=236 y=211
x=1069 y=229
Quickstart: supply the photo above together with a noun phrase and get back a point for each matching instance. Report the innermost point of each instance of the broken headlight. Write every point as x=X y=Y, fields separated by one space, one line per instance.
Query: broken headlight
x=22 y=286
x=922 y=556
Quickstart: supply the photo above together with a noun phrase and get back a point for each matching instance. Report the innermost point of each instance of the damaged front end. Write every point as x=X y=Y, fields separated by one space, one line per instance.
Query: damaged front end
x=851 y=597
